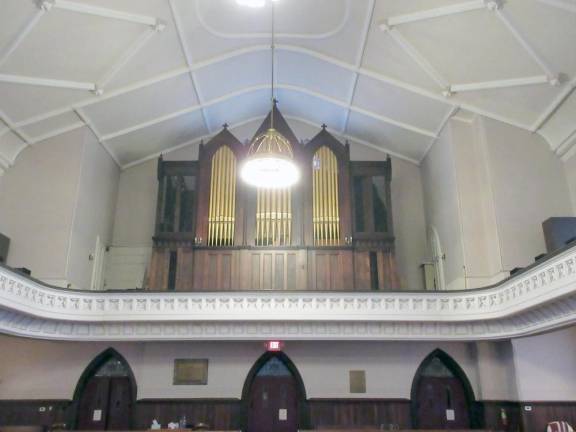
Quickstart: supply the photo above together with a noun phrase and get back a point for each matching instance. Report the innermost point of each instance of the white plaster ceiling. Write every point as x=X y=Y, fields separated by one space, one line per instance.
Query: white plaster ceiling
x=147 y=76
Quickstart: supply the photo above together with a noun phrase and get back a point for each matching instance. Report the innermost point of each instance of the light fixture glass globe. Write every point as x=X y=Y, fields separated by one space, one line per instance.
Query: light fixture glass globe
x=251 y=3
x=270 y=172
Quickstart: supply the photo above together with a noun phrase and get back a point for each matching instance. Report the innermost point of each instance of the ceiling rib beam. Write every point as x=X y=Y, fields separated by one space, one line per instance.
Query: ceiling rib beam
x=21 y=35
x=103 y=12
x=186 y=51
x=567 y=144
x=420 y=60
x=358 y=64
x=560 y=4
x=291 y=48
x=450 y=114
x=436 y=12
x=47 y=82
x=554 y=106
x=82 y=115
x=56 y=132
x=247 y=90
x=138 y=44
x=497 y=84
x=14 y=128
x=523 y=41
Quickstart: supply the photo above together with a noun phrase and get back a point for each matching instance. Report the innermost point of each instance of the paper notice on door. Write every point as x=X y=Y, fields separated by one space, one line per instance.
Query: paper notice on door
x=450 y=415
x=283 y=414
x=97 y=415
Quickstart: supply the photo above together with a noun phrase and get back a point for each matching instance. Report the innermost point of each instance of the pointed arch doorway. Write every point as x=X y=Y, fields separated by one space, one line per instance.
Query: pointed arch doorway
x=105 y=394
x=442 y=397
x=274 y=396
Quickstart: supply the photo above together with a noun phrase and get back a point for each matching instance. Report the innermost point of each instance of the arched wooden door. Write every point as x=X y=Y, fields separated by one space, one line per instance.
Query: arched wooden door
x=441 y=395
x=274 y=396
x=105 y=394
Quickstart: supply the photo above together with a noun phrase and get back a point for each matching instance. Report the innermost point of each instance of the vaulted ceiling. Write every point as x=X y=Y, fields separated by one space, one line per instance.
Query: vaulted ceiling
x=150 y=75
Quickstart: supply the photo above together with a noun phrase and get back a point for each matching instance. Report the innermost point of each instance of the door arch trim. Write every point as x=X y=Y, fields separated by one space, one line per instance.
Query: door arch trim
x=89 y=372
x=303 y=416
x=458 y=372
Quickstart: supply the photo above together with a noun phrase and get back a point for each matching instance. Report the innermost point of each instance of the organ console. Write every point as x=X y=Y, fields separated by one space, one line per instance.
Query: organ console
x=331 y=231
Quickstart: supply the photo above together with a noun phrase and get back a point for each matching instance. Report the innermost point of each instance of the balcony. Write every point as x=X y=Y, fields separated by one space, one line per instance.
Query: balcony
x=541 y=298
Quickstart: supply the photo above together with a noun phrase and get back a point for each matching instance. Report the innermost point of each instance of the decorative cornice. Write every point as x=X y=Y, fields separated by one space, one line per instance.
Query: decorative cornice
x=538 y=300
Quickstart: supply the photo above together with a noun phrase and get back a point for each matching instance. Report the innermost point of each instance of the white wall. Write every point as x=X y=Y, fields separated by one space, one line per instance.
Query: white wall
x=136 y=206
x=482 y=265
x=570 y=171
x=37 y=198
x=94 y=210
x=546 y=366
x=488 y=187
x=529 y=186
x=50 y=370
x=496 y=372
x=59 y=196
x=442 y=207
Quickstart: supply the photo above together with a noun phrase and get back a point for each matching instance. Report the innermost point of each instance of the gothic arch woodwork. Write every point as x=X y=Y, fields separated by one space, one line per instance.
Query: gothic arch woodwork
x=441 y=395
x=107 y=401
x=255 y=387
x=342 y=154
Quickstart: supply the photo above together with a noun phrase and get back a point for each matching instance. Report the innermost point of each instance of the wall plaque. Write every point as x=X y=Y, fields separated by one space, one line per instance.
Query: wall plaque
x=190 y=372
x=357 y=381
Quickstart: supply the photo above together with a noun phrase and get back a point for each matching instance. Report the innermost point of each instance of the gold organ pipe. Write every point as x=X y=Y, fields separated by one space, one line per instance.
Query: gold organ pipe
x=222 y=198
x=225 y=199
x=229 y=201
x=315 y=205
x=332 y=200
x=233 y=211
x=211 y=205
x=336 y=203
x=219 y=198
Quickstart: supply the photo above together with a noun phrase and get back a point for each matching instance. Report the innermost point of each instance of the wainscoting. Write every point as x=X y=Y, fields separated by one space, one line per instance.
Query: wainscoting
x=34 y=412
x=325 y=413
x=219 y=414
x=227 y=414
x=544 y=412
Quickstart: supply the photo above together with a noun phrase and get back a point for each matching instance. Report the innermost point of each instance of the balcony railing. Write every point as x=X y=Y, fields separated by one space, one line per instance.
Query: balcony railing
x=539 y=299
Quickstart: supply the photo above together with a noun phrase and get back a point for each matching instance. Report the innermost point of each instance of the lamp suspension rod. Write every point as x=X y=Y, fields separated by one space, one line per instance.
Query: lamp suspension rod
x=272 y=47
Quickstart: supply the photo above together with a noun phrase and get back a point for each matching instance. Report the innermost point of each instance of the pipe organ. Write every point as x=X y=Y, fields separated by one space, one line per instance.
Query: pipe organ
x=332 y=231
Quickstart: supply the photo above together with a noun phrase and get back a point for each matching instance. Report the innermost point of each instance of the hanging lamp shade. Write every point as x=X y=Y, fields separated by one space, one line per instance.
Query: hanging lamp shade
x=270 y=162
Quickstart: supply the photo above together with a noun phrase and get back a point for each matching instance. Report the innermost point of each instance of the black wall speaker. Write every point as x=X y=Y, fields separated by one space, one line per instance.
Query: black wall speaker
x=558 y=231
x=4 y=245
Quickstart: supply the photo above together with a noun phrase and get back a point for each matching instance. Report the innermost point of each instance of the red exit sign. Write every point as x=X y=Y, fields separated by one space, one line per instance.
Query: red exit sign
x=274 y=346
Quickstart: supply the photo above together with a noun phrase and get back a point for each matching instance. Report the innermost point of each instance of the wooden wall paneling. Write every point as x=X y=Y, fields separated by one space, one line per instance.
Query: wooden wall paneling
x=387 y=271
x=543 y=413
x=218 y=414
x=360 y=413
x=35 y=412
x=345 y=266
x=203 y=184
x=345 y=202
x=158 y=270
x=491 y=415
x=362 y=270
x=185 y=269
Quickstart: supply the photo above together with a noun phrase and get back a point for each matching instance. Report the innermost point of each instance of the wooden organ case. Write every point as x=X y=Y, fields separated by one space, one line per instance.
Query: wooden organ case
x=332 y=231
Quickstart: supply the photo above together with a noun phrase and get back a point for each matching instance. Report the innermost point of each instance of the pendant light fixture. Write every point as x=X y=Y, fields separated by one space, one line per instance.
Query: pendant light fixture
x=270 y=160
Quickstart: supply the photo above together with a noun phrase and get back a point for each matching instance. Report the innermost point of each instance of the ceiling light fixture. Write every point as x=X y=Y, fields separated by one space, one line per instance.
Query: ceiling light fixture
x=270 y=160
x=252 y=3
